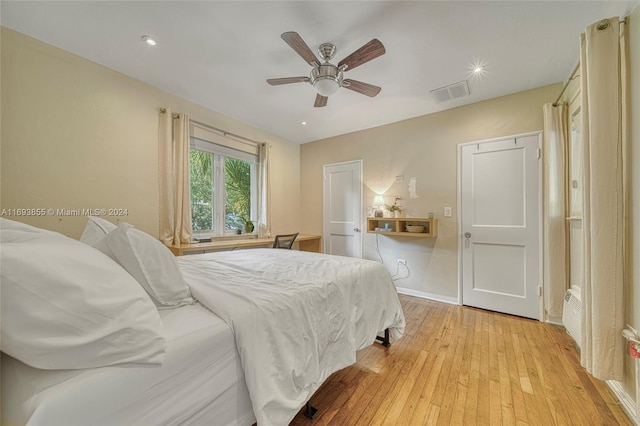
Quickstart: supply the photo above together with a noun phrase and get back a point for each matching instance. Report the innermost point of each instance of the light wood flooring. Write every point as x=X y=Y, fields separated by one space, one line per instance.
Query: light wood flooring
x=464 y=366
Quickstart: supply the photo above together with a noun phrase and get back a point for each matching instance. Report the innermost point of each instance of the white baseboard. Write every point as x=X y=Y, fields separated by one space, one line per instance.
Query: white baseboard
x=628 y=404
x=554 y=320
x=430 y=296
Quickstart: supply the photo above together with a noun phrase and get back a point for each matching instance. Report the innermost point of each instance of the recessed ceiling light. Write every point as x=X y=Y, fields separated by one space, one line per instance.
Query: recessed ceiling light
x=149 y=40
x=303 y=123
x=477 y=67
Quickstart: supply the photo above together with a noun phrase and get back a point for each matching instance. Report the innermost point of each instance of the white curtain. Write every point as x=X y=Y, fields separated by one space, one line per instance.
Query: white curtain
x=174 y=182
x=603 y=65
x=264 y=200
x=555 y=156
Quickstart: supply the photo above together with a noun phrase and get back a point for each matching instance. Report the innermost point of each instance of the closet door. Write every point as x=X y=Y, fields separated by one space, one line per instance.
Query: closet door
x=500 y=224
x=343 y=209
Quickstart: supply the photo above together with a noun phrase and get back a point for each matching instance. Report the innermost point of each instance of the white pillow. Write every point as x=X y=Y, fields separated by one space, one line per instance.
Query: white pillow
x=65 y=305
x=26 y=231
x=150 y=262
x=96 y=230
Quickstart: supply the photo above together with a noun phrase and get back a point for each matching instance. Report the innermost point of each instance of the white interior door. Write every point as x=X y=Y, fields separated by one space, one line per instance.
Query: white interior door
x=500 y=224
x=342 y=209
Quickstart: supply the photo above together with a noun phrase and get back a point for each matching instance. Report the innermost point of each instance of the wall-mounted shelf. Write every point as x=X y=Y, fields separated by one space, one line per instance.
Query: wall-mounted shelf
x=398 y=226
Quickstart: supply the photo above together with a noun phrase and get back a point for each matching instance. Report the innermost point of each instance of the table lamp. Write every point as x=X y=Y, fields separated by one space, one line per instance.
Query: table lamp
x=378 y=203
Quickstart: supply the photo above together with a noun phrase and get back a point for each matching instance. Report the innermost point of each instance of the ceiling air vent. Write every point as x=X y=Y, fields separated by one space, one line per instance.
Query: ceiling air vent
x=452 y=91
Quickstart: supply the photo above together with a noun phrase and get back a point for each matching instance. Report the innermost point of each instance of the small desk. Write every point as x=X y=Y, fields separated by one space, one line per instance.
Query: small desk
x=305 y=243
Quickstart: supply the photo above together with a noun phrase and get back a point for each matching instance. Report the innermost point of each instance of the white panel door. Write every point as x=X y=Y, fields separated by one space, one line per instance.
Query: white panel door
x=500 y=224
x=342 y=209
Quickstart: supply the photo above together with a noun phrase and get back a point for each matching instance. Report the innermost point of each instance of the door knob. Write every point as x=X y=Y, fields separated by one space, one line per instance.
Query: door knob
x=356 y=229
x=467 y=234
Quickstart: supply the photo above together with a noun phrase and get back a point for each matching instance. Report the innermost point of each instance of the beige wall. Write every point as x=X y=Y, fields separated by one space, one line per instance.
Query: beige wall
x=78 y=135
x=425 y=148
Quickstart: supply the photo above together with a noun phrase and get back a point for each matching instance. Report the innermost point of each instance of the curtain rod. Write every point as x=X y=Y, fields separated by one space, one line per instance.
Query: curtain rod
x=224 y=132
x=567 y=84
x=622 y=21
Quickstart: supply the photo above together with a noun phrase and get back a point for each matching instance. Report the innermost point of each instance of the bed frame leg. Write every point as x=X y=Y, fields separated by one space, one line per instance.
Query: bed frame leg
x=310 y=411
x=384 y=340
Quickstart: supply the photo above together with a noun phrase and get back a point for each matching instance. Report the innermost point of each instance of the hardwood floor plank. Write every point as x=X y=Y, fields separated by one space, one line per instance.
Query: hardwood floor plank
x=538 y=411
x=513 y=374
x=400 y=398
x=465 y=366
x=483 y=379
x=463 y=380
x=427 y=391
x=444 y=391
x=471 y=404
x=429 y=344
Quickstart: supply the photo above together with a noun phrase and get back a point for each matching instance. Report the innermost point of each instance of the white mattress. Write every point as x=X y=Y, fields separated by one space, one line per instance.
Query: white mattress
x=200 y=382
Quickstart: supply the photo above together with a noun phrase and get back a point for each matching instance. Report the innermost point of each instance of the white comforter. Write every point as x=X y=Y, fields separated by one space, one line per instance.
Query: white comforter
x=297 y=317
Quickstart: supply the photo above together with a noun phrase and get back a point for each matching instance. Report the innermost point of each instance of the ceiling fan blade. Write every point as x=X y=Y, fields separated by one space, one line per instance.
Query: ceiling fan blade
x=296 y=42
x=369 y=51
x=320 y=101
x=360 y=87
x=287 y=80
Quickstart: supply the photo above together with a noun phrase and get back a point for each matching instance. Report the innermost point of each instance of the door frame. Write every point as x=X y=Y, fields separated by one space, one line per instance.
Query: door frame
x=541 y=311
x=324 y=206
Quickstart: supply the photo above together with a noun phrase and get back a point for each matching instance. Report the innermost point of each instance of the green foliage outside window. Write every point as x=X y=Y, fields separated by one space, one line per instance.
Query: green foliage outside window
x=237 y=187
x=238 y=192
x=201 y=169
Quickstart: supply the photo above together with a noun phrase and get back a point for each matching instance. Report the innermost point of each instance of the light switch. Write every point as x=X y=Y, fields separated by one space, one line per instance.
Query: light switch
x=447 y=212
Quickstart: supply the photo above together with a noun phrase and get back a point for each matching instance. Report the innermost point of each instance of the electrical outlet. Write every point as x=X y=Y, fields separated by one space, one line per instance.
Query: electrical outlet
x=402 y=262
x=447 y=212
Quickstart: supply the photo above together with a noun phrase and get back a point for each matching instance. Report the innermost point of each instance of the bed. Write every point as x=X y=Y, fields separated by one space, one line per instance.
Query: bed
x=201 y=379
x=247 y=336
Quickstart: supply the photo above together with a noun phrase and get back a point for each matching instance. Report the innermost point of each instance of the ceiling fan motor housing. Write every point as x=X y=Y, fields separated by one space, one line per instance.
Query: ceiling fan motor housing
x=327 y=51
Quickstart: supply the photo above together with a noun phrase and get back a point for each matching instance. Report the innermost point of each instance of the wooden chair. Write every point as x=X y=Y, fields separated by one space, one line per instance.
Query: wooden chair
x=284 y=241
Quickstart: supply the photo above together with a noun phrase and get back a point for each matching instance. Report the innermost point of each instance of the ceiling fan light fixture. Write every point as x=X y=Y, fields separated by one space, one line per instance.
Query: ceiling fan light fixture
x=326 y=86
x=326 y=79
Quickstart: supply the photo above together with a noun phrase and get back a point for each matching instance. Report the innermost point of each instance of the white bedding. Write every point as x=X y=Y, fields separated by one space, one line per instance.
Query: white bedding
x=200 y=382
x=297 y=317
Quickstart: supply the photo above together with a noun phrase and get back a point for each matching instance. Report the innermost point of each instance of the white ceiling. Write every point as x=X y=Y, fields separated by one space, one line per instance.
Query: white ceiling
x=219 y=53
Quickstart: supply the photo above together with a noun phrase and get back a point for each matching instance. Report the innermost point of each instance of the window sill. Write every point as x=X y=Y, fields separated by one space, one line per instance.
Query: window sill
x=227 y=237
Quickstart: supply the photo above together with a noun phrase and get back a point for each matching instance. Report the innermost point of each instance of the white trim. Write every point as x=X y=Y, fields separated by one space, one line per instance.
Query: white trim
x=553 y=320
x=501 y=138
x=538 y=133
x=627 y=403
x=459 y=221
x=430 y=296
x=541 y=311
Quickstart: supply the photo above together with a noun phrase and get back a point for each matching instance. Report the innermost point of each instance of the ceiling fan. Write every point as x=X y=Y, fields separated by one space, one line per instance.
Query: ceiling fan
x=325 y=77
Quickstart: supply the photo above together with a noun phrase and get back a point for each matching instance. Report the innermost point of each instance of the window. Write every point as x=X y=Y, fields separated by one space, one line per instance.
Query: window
x=224 y=188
